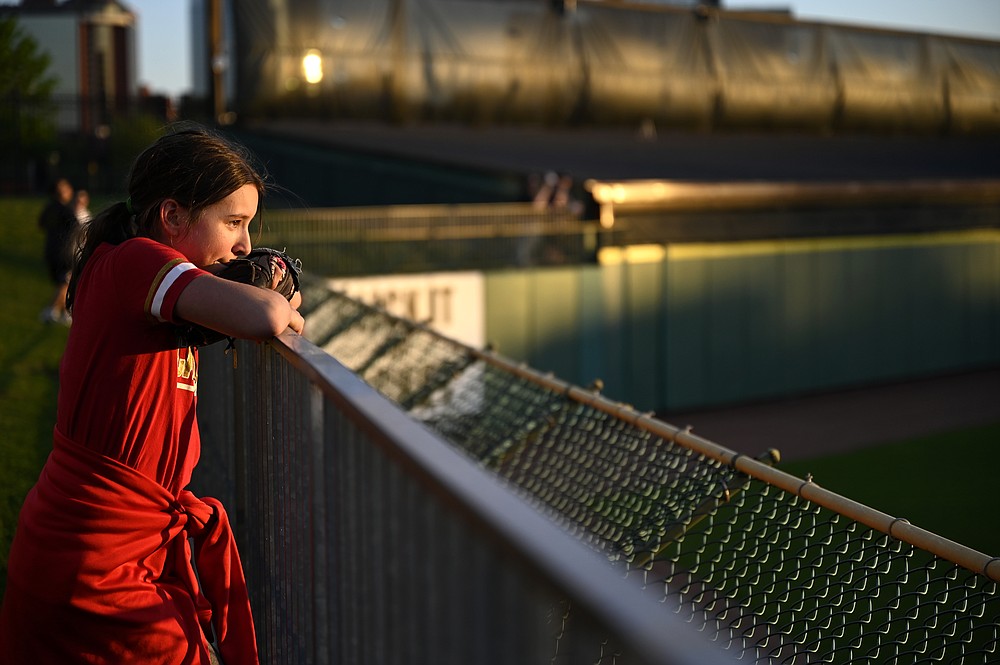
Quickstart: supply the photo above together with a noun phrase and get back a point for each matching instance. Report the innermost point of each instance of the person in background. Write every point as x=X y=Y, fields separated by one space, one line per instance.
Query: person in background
x=81 y=206
x=542 y=196
x=81 y=209
x=113 y=559
x=58 y=221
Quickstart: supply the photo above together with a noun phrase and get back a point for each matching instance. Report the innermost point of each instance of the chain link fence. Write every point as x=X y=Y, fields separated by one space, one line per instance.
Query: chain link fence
x=772 y=567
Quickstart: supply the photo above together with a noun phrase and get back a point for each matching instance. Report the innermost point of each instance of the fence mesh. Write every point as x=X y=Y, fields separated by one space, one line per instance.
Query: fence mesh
x=766 y=573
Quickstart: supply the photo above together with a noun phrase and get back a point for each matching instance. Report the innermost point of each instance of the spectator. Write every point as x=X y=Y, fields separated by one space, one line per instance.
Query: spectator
x=542 y=197
x=59 y=223
x=81 y=206
x=563 y=198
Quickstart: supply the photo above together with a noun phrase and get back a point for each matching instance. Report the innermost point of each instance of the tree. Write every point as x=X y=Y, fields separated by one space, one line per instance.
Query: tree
x=27 y=115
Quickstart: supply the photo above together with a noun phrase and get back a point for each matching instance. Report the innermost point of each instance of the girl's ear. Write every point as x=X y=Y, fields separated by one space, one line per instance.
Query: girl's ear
x=172 y=219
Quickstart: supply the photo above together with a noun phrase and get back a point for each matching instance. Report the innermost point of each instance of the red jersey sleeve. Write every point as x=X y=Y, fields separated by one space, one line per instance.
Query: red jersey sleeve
x=167 y=286
x=161 y=271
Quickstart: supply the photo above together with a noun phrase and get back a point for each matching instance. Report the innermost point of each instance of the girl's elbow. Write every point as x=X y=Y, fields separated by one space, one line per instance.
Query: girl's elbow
x=275 y=316
x=277 y=319
x=270 y=326
x=267 y=322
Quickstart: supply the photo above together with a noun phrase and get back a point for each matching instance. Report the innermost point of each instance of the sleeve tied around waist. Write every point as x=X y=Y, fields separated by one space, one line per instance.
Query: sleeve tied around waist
x=214 y=574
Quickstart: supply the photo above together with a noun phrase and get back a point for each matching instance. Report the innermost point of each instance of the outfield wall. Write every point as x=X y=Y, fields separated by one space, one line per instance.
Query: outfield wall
x=682 y=326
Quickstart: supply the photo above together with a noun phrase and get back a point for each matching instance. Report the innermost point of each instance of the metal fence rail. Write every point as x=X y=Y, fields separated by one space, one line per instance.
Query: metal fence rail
x=340 y=242
x=366 y=538
x=423 y=238
x=772 y=567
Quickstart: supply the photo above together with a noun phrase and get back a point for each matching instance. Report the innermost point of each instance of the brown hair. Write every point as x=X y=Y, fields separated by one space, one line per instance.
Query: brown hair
x=192 y=165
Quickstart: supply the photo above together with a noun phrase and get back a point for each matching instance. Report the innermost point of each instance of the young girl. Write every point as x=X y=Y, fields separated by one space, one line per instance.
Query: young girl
x=101 y=569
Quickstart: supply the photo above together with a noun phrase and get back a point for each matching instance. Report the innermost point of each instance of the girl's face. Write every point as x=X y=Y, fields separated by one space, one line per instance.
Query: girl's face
x=221 y=232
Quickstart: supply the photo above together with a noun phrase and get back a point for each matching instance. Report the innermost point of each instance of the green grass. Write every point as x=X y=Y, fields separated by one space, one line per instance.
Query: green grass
x=29 y=362
x=945 y=483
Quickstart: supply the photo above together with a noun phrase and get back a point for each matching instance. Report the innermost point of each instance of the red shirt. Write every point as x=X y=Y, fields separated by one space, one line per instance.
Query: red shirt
x=126 y=390
x=102 y=567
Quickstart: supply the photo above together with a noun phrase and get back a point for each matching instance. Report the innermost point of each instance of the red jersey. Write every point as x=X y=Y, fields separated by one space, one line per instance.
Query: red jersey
x=126 y=388
x=102 y=567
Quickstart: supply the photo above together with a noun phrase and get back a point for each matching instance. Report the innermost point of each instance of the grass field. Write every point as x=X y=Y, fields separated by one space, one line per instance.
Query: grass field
x=946 y=483
x=29 y=362
x=942 y=483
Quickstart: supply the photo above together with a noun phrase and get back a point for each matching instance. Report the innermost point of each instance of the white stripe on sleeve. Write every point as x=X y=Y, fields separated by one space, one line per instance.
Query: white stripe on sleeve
x=165 y=284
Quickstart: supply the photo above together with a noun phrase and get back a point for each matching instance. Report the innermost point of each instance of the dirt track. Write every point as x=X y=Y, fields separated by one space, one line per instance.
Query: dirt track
x=817 y=426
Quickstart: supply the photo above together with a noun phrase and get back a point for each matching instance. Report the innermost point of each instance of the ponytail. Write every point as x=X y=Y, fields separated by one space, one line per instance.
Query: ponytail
x=114 y=225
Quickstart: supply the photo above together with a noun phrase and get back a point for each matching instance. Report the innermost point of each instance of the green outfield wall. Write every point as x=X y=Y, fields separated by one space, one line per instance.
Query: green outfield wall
x=682 y=326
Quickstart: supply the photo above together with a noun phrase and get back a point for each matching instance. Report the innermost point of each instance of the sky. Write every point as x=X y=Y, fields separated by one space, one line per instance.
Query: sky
x=164 y=44
x=165 y=52
x=968 y=18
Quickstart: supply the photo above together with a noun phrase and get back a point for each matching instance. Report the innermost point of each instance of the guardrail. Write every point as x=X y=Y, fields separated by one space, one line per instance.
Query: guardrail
x=771 y=567
x=428 y=238
x=354 y=241
x=366 y=538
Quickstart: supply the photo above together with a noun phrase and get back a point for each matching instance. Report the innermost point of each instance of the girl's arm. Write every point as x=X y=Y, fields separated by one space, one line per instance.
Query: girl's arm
x=238 y=310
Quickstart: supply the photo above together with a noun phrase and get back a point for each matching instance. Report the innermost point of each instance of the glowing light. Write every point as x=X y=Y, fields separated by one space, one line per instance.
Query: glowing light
x=312 y=66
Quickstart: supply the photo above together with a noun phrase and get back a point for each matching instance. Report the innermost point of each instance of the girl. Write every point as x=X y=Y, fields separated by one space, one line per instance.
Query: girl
x=102 y=569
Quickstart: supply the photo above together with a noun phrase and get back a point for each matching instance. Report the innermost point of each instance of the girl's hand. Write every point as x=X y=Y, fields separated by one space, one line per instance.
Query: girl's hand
x=296 y=322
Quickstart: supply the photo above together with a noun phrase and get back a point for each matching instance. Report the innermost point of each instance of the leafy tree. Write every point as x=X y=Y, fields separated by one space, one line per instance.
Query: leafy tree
x=130 y=134
x=27 y=115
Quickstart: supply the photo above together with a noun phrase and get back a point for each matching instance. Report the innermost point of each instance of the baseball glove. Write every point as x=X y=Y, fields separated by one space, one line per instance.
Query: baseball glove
x=263 y=267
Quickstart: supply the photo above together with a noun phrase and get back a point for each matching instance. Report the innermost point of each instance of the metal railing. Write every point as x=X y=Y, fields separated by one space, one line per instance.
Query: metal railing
x=342 y=242
x=337 y=242
x=366 y=538
x=771 y=567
